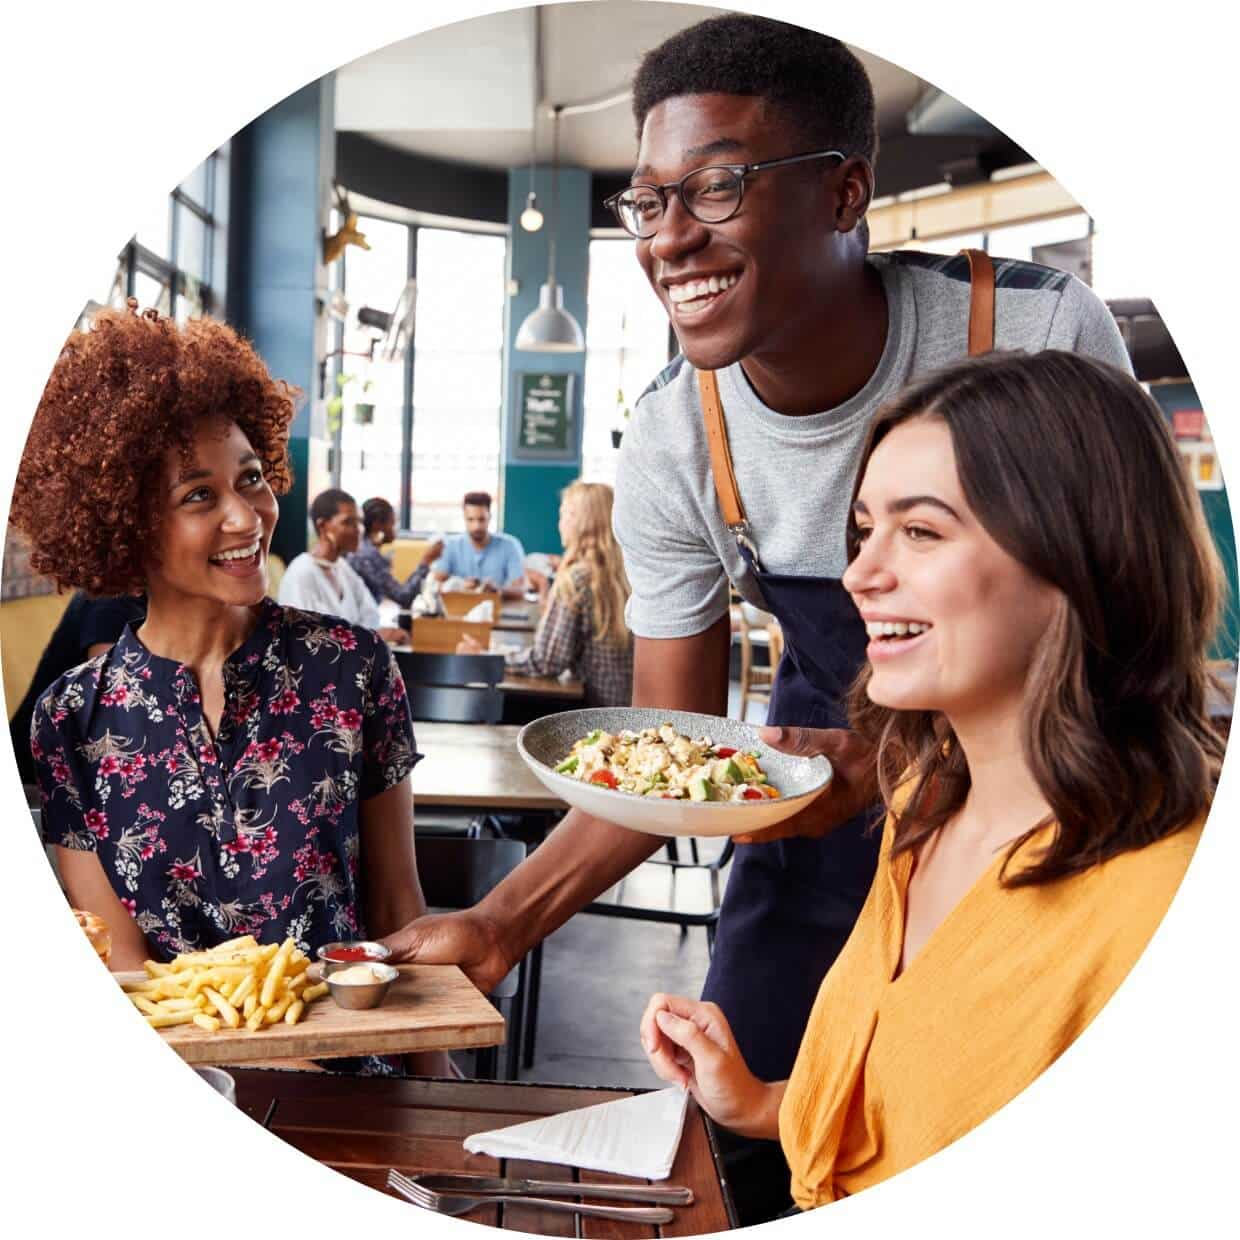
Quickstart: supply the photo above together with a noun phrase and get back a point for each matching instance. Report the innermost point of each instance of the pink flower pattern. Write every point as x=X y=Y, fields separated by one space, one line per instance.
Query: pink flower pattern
x=315 y=720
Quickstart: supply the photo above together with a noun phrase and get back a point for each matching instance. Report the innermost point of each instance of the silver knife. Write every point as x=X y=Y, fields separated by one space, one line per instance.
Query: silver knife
x=554 y=1188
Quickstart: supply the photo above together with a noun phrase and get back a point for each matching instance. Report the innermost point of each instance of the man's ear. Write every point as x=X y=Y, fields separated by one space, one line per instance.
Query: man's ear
x=854 y=189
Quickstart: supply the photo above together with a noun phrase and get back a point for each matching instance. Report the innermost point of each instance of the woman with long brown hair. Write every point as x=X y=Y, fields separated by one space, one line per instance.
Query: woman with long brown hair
x=582 y=629
x=1040 y=591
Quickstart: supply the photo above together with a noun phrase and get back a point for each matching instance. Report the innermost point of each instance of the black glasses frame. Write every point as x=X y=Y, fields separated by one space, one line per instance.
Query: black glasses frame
x=740 y=171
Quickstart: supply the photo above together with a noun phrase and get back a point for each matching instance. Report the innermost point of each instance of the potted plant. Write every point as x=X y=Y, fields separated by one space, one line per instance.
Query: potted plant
x=335 y=406
x=364 y=410
x=622 y=417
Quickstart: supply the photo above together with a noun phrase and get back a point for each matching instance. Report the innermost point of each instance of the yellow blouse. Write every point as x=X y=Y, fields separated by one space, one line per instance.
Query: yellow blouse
x=890 y=1071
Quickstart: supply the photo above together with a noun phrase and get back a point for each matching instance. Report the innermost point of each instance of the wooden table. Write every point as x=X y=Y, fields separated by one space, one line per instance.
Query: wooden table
x=476 y=766
x=362 y=1126
x=544 y=686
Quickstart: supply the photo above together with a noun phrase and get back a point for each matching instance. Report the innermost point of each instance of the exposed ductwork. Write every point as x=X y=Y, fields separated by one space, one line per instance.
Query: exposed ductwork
x=936 y=113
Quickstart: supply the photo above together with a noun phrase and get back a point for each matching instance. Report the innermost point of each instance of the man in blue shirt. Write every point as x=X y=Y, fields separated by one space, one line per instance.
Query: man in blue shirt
x=492 y=561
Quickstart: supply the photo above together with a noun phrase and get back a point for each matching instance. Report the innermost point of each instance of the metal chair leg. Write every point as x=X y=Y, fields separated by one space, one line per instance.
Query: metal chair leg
x=531 y=1006
x=486 y=1066
x=516 y=1024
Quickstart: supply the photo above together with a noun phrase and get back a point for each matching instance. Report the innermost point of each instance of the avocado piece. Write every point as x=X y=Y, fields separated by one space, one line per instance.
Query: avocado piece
x=748 y=769
x=699 y=789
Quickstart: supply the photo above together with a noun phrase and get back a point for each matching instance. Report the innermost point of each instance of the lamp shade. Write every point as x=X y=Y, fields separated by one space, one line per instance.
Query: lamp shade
x=550 y=328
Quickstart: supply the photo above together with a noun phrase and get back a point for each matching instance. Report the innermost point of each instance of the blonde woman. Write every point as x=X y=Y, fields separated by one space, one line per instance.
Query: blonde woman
x=582 y=628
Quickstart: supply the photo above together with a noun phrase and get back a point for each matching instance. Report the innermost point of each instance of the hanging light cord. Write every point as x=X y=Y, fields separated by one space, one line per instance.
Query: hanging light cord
x=533 y=149
x=555 y=193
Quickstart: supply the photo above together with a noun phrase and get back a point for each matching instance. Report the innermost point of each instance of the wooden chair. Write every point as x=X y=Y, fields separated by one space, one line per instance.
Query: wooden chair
x=432 y=635
x=758 y=679
x=458 y=873
x=457 y=604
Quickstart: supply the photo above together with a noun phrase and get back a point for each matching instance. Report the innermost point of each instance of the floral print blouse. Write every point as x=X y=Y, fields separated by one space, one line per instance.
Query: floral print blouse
x=253 y=832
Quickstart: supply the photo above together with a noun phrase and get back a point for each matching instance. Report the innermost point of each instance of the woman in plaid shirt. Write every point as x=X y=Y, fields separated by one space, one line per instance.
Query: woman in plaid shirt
x=582 y=629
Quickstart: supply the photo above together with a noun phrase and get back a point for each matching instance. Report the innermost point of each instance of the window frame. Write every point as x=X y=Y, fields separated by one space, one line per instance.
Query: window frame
x=415 y=222
x=136 y=259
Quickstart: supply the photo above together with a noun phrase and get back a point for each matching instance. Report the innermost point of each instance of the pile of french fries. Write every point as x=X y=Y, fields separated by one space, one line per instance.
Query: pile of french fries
x=235 y=982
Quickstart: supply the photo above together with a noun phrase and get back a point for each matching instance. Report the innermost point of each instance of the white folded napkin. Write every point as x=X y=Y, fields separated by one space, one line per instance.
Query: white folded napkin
x=483 y=613
x=635 y=1136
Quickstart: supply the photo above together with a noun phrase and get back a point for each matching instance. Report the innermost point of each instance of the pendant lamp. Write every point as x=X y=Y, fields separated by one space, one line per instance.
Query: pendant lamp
x=532 y=217
x=550 y=328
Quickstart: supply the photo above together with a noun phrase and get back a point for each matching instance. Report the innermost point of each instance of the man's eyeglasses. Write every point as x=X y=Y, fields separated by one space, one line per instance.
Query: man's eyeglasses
x=711 y=195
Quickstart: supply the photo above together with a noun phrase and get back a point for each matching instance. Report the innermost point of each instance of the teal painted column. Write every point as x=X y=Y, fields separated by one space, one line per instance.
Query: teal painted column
x=1217 y=508
x=531 y=500
x=285 y=162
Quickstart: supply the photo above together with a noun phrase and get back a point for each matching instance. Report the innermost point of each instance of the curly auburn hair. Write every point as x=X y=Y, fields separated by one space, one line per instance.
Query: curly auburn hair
x=119 y=397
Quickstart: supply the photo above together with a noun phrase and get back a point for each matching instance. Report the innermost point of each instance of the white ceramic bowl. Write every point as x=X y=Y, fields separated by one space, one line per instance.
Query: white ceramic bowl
x=546 y=742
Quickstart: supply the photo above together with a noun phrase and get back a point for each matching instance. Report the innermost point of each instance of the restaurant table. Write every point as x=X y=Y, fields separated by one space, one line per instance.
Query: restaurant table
x=362 y=1126
x=543 y=686
x=514 y=617
x=476 y=766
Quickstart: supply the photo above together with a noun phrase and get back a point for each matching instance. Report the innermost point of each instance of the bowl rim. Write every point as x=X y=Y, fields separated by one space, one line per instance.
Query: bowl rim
x=712 y=807
x=381 y=952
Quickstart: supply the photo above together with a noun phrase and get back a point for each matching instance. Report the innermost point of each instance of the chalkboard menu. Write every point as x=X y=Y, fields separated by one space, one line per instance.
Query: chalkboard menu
x=544 y=427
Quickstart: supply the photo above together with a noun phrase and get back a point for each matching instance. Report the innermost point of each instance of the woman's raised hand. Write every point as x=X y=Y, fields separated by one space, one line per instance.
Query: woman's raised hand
x=690 y=1043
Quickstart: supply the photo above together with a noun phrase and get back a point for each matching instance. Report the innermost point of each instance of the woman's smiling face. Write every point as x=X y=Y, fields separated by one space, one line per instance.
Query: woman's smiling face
x=953 y=619
x=217 y=521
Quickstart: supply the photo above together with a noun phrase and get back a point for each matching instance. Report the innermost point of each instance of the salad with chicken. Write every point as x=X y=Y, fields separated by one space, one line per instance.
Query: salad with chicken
x=660 y=762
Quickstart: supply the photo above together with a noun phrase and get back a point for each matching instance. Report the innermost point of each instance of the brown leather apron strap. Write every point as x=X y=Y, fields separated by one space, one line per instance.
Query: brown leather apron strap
x=981 y=302
x=730 y=507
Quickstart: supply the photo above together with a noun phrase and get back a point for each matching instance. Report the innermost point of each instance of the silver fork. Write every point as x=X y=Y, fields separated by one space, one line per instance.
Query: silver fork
x=452 y=1204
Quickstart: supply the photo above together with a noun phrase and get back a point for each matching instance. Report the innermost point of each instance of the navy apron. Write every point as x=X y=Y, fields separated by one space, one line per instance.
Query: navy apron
x=790 y=905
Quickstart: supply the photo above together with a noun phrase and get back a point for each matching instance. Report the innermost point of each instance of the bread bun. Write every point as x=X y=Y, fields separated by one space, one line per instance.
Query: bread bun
x=96 y=930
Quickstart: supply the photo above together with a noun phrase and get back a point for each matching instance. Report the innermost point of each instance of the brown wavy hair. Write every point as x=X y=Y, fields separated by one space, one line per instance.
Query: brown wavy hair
x=594 y=557
x=1071 y=469
x=120 y=395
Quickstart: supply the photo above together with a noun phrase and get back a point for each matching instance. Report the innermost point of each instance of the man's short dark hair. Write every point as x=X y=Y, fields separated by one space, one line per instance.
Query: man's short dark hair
x=814 y=79
x=477 y=499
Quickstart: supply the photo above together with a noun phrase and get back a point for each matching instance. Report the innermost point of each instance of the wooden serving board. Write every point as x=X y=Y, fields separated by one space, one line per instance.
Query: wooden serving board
x=428 y=1008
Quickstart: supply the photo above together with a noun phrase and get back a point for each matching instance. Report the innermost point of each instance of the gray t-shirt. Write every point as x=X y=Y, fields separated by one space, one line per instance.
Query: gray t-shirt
x=795 y=474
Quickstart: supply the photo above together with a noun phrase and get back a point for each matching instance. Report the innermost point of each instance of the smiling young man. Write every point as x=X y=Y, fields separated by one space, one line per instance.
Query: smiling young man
x=748 y=201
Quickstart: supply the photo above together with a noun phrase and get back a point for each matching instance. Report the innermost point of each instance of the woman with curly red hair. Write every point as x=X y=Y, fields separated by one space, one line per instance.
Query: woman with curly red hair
x=229 y=766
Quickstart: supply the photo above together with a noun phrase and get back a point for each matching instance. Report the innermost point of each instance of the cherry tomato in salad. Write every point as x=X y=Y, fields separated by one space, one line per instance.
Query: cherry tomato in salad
x=752 y=794
x=606 y=778
x=724 y=751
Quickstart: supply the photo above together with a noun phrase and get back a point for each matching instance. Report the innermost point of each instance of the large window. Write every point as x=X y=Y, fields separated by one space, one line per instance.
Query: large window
x=372 y=451
x=176 y=259
x=434 y=430
x=457 y=373
x=626 y=346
